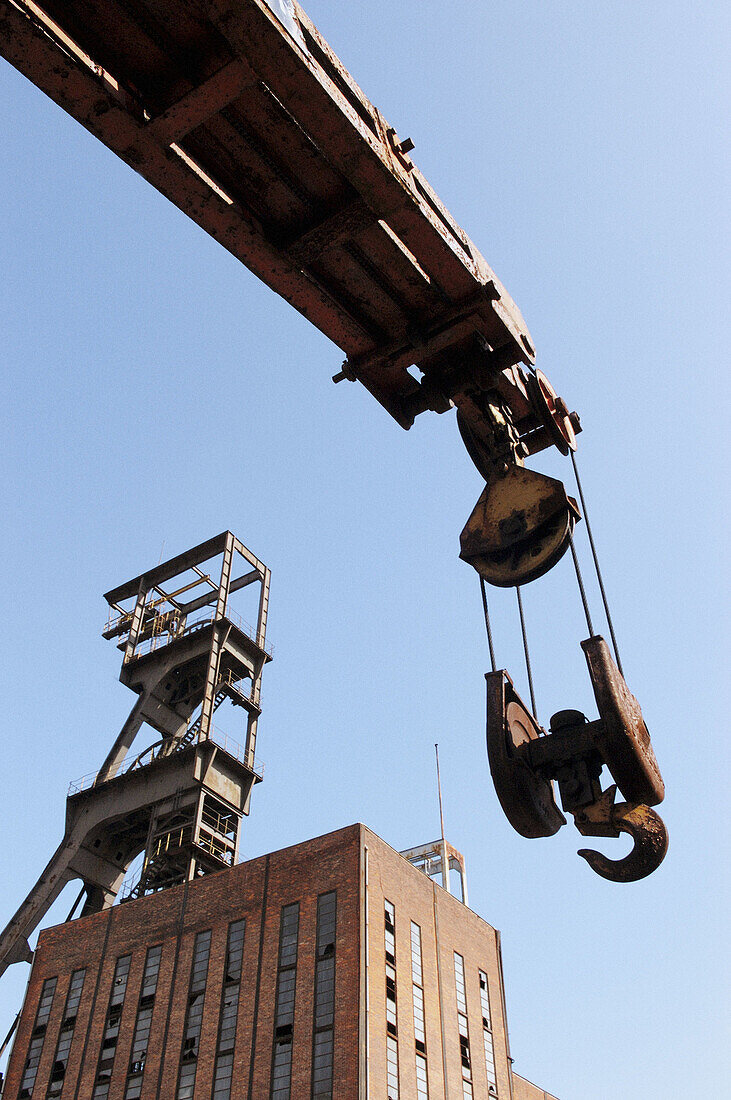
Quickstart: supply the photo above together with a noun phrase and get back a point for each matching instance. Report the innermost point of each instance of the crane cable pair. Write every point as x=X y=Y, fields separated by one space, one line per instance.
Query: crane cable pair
x=582 y=592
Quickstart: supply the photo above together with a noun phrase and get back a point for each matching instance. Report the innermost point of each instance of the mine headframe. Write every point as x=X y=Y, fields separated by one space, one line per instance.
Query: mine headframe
x=178 y=803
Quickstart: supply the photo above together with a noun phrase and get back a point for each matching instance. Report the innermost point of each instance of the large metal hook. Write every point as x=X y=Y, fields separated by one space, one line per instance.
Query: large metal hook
x=647 y=829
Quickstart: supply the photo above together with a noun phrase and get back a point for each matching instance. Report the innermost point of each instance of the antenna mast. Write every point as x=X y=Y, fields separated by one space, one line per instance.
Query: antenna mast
x=445 y=858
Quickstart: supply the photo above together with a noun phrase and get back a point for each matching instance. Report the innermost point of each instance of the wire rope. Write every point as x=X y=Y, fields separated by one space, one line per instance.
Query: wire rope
x=488 y=627
x=582 y=590
x=527 y=654
x=596 y=563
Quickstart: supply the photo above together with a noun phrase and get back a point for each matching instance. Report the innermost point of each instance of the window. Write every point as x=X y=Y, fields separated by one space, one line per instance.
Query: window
x=487 y=1034
x=459 y=982
x=392 y=1067
x=322 y=1051
x=419 y=1033
x=110 y=1034
x=38 y=1035
x=322 y=1064
x=390 y=922
x=463 y=1027
x=223 y=1073
x=417 y=989
x=391 y=999
x=143 y=1023
x=284 y=1006
x=66 y=1034
x=464 y=1045
x=194 y=1016
x=416 y=954
x=422 y=1080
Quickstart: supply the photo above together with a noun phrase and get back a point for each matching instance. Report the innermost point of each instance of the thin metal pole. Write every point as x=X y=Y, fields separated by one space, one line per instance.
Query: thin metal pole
x=581 y=586
x=82 y=891
x=596 y=563
x=527 y=654
x=445 y=861
x=488 y=628
x=9 y=1035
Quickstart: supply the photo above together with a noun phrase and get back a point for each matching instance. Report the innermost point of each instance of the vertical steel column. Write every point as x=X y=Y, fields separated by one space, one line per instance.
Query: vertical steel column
x=216 y=640
x=261 y=629
x=134 y=629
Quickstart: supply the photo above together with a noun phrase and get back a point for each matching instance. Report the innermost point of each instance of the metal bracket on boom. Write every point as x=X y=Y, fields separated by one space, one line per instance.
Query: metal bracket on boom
x=522 y=524
x=525 y=760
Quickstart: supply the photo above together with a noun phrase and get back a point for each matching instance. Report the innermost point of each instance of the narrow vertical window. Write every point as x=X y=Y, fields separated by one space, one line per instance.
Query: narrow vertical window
x=322 y=1051
x=417 y=987
x=487 y=1034
x=141 y=1036
x=284 y=1006
x=392 y=1068
x=38 y=1035
x=66 y=1034
x=463 y=1027
x=110 y=1034
x=223 y=1072
x=389 y=924
x=459 y=983
x=194 y=1016
x=422 y=1079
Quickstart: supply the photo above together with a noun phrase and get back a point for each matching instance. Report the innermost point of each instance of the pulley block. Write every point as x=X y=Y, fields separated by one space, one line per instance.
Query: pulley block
x=553 y=412
x=526 y=797
x=525 y=761
x=520 y=527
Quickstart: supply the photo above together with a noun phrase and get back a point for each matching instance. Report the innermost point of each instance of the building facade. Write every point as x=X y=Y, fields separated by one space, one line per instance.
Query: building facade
x=331 y=969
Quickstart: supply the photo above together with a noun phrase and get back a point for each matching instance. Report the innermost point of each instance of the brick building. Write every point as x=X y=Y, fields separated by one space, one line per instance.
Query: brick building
x=334 y=968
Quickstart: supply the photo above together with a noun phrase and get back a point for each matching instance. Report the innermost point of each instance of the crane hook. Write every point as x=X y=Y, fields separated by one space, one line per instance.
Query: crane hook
x=647 y=829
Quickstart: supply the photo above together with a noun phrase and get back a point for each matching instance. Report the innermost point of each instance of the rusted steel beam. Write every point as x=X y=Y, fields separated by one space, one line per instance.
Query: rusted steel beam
x=254 y=129
x=295 y=77
x=161 y=573
x=86 y=96
x=201 y=102
x=343 y=224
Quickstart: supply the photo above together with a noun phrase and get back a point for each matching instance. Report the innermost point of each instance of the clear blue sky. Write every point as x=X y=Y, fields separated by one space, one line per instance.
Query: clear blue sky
x=157 y=394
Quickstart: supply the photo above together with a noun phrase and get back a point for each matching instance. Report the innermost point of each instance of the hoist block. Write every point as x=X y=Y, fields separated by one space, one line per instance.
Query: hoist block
x=525 y=761
x=520 y=527
x=525 y=796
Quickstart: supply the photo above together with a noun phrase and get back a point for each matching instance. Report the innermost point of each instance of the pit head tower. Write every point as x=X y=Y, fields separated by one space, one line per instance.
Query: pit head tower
x=179 y=801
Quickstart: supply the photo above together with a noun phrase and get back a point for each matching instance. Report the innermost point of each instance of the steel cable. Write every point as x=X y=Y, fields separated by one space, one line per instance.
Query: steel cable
x=487 y=624
x=527 y=654
x=596 y=563
x=581 y=586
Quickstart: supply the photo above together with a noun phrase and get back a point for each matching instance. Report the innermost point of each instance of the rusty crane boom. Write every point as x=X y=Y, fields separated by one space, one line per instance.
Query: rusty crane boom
x=240 y=113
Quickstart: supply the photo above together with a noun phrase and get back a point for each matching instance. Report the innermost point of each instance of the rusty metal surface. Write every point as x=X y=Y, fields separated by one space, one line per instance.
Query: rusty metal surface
x=558 y=421
x=181 y=671
x=647 y=829
x=265 y=140
x=624 y=741
x=525 y=761
x=519 y=528
x=525 y=796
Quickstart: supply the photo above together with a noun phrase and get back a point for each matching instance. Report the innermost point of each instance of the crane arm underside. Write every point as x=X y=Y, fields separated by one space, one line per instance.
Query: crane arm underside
x=264 y=139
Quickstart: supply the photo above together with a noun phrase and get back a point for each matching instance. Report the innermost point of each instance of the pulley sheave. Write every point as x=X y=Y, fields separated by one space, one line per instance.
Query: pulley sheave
x=520 y=527
x=527 y=798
